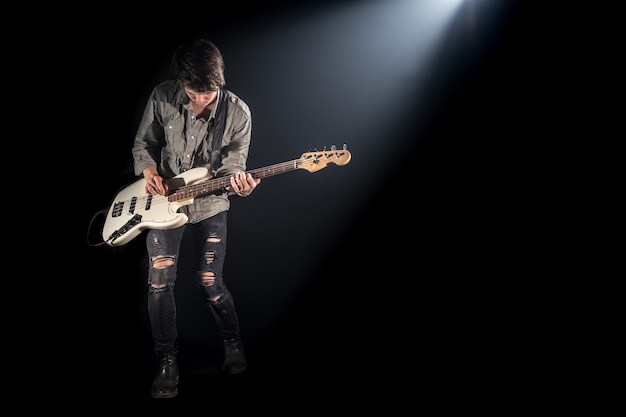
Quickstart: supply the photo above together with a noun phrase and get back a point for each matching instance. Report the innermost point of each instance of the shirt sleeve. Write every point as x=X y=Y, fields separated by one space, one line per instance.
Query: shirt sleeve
x=149 y=138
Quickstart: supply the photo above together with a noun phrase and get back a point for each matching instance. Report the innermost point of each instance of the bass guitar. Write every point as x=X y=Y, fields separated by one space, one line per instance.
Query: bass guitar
x=133 y=210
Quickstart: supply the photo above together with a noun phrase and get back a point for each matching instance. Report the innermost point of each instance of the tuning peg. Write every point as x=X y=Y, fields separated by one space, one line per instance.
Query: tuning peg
x=333 y=147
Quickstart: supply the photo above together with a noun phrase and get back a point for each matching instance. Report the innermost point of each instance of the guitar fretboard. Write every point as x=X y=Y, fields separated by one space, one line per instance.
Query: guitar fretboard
x=218 y=184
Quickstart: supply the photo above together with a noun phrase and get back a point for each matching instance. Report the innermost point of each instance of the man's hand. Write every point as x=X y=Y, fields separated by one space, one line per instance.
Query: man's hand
x=243 y=184
x=154 y=182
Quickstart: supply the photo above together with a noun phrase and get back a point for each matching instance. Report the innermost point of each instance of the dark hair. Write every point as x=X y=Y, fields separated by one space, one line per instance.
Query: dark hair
x=199 y=65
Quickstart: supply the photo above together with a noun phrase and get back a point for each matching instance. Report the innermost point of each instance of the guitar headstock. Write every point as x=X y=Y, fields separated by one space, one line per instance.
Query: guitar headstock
x=314 y=161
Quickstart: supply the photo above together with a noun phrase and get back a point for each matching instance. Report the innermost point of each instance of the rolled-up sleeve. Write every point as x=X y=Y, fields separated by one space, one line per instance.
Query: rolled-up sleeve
x=149 y=138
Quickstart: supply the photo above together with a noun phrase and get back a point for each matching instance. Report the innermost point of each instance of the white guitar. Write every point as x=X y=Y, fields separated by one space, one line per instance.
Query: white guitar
x=134 y=211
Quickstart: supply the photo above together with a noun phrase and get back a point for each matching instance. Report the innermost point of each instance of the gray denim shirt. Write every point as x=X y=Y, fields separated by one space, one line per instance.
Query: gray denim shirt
x=170 y=137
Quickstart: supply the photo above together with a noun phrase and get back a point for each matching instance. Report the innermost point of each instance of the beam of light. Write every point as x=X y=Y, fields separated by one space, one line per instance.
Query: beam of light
x=345 y=74
x=359 y=73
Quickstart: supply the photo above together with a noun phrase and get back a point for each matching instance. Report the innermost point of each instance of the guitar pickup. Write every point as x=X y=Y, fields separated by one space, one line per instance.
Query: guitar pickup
x=117 y=209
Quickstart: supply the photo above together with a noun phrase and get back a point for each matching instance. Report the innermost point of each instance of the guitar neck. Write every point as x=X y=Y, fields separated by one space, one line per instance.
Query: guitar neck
x=217 y=184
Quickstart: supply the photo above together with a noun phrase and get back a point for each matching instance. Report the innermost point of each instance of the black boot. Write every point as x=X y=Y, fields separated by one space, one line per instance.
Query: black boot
x=234 y=358
x=166 y=381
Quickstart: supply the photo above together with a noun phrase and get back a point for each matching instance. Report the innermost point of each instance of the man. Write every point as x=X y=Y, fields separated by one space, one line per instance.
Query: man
x=177 y=132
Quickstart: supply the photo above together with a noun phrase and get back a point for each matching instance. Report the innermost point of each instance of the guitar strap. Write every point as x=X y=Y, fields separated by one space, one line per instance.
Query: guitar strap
x=218 y=131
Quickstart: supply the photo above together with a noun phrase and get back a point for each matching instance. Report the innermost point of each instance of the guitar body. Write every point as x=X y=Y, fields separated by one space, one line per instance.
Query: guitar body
x=133 y=210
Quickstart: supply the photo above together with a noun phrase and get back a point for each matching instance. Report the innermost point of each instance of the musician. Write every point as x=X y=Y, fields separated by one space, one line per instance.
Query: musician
x=181 y=119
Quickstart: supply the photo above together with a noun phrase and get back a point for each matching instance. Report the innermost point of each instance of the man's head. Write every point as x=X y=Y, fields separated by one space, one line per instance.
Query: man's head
x=199 y=65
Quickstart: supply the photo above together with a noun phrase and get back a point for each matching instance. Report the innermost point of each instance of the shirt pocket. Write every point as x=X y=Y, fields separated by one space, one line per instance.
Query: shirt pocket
x=173 y=132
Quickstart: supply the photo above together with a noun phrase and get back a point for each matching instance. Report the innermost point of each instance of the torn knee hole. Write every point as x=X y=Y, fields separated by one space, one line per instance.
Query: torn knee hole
x=162 y=261
x=217 y=299
x=158 y=286
x=206 y=278
x=214 y=238
x=209 y=257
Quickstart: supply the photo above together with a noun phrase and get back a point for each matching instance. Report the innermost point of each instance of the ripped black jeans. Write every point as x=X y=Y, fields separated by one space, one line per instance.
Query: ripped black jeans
x=163 y=246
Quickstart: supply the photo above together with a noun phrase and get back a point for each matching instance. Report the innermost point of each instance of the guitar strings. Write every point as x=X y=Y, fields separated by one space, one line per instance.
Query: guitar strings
x=190 y=191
